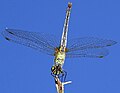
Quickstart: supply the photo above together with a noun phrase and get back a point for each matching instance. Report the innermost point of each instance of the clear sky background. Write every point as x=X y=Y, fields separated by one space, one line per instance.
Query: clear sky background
x=24 y=70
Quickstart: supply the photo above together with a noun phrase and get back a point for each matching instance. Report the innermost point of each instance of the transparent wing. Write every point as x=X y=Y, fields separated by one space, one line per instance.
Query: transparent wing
x=88 y=47
x=42 y=42
x=92 y=53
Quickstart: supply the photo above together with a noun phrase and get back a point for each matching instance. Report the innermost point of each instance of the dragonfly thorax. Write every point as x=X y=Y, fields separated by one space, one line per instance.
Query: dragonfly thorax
x=59 y=56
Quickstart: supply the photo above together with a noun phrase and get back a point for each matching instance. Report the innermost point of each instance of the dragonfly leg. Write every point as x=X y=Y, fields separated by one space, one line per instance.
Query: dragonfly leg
x=58 y=72
x=62 y=76
x=53 y=74
x=65 y=75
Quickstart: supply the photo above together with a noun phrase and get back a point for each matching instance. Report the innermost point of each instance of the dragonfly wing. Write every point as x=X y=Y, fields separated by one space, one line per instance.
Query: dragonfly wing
x=39 y=41
x=88 y=43
x=88 y=47
x=92 y=53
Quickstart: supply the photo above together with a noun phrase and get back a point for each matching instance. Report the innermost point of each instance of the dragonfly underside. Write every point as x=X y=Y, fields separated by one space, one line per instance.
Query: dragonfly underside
x=79 y=47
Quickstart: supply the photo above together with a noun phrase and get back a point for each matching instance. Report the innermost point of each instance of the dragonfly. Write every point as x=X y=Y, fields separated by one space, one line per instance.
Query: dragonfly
x=91 y=47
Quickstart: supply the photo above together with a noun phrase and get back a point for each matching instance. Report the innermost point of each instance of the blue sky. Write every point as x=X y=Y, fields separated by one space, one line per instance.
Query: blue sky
x=24 y=70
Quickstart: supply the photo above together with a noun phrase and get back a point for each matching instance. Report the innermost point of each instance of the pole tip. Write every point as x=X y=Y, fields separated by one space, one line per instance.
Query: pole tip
x=69 y=4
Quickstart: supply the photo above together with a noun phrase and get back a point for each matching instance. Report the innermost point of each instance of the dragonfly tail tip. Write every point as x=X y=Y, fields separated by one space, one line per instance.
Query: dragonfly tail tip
x=69 y=4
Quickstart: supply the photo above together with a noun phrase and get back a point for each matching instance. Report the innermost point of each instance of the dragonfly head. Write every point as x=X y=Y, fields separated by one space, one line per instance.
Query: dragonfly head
x=56 y=69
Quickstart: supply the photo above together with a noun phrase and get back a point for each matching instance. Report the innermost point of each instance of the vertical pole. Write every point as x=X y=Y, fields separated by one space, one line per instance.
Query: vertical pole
x=60 y=85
